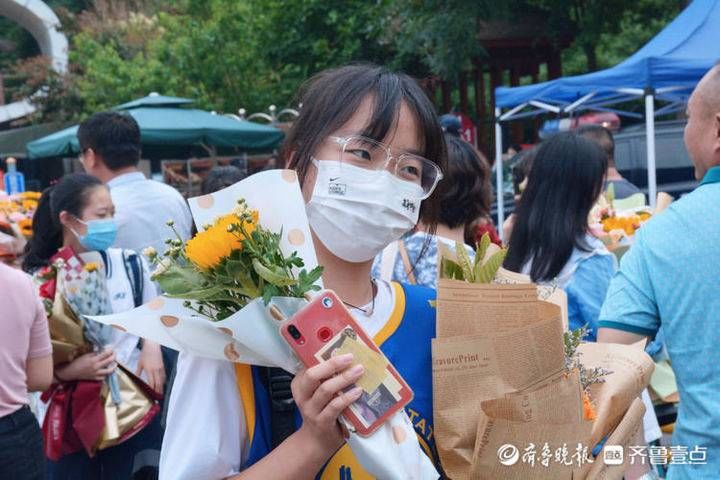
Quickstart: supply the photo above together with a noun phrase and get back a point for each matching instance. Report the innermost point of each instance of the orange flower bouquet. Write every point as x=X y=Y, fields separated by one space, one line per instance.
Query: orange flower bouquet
x=16 y=212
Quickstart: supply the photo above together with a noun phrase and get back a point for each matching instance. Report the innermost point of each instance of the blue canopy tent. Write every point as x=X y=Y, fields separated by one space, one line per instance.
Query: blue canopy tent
x=666 y=69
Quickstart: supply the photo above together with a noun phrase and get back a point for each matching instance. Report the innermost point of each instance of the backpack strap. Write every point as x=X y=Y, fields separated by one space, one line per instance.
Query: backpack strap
x=387 y=261
x=282 y=406
x=134 y=272
x=409 y=270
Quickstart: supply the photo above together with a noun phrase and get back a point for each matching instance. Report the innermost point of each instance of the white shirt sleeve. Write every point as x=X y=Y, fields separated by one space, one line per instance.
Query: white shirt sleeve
x=206 y=433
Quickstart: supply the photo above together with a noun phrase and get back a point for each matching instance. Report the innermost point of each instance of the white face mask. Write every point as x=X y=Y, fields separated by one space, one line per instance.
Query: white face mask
x=356 y=212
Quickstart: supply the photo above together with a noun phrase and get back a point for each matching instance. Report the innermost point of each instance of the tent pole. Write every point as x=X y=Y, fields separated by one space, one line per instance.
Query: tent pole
x=650 y=143
x=499 y=174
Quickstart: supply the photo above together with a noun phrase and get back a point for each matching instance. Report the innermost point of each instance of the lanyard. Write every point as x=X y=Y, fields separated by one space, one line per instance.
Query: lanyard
x=711 y=176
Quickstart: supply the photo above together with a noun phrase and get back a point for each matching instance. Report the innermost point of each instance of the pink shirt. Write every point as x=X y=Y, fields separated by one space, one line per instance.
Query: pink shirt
x=23 y=334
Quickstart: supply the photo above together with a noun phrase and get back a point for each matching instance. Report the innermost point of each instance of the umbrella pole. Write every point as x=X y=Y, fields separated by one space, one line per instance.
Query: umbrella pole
x=650 y=143
x=499 y=175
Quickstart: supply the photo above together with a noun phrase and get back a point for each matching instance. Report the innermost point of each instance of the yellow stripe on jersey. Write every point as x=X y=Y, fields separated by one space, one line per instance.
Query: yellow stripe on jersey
x=395 y=317
x=243 y=375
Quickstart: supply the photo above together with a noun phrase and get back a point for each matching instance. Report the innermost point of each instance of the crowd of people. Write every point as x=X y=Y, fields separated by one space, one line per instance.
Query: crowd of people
x=378 y=243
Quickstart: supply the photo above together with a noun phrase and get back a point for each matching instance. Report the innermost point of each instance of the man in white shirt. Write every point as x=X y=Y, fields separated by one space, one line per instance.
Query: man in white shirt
x=110 y=150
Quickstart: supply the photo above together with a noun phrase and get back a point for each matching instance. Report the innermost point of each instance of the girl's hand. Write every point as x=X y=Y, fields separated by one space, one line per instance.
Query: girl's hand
x=91 y=366
x=151 y=363
x=318 y=392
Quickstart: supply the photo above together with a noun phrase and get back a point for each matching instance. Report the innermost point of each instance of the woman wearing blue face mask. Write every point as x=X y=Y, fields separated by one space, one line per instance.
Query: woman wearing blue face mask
x=78 y=213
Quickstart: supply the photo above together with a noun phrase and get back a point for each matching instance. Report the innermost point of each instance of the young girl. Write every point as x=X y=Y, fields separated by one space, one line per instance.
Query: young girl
x=78 y=213
x=550 y=239
x=368 y=151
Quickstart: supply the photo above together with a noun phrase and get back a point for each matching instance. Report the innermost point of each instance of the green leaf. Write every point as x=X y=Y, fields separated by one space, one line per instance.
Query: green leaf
x=235 y=268
x=464 y=261
x=450 y=269
x=270 y=276
x=610 y=193
x=269 y=292
x=482 y=247
x=484 y=273
x=216 y=292
x=177 y=280
x=307 y=280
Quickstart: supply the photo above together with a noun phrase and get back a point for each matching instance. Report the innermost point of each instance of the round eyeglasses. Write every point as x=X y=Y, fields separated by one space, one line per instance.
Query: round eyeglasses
x=370 y=154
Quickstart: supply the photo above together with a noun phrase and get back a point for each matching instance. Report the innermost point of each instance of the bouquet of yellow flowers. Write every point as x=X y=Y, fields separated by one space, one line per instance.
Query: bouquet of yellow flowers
x=229 y=264
x=16 y=213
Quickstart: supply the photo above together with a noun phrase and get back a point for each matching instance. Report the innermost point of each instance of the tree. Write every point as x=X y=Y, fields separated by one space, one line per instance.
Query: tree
x=228 y=54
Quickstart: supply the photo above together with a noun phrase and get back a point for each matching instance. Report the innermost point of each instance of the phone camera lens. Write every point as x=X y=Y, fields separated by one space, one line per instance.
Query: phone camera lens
x=327 y=302
x=294 y=332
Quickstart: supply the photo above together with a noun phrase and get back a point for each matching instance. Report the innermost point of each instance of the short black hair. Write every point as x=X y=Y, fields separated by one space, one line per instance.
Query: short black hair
x=330 y=98
x=221 y=177
x=600 y=135
x=468 y=192
x=112 y=135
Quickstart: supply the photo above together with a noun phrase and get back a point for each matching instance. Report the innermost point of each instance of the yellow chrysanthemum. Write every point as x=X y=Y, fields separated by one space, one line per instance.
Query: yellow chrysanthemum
x=29 y=204
x=208 y=248
x=31 y=195
x=91 y=267
x=26 y=227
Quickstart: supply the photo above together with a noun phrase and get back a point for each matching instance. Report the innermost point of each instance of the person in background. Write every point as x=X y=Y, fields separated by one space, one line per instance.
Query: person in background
x=550 y=240
x=670 y=278
x=451 y=124
x=521 y=164
x=25 y=366
x=110 y=150
x=603 y=137
x=221 y=177
x=78 y=212
x=414 y=258
x=477 y=227
x=482 y=225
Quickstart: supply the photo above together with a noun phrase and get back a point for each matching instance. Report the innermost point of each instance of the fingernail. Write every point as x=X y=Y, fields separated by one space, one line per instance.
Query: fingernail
x=357 y=370
x=345 y=358
x=355 y=392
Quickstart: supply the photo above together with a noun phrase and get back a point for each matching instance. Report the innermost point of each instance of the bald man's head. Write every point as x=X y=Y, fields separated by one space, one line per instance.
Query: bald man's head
x=702 y=132
x=708 y=92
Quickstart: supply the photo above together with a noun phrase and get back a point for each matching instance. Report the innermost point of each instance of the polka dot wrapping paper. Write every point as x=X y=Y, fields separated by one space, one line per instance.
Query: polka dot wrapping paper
x=251 y=335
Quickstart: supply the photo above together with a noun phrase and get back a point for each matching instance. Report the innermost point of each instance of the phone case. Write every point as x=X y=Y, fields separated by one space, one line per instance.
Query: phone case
x=324 y=328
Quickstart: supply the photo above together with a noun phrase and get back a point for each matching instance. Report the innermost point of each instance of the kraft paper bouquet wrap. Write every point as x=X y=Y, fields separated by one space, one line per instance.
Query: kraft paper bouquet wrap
x=252 y=263
x=515 y=395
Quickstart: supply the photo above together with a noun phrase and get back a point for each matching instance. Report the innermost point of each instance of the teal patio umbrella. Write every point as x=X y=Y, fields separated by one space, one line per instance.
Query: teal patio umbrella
x=164 y=126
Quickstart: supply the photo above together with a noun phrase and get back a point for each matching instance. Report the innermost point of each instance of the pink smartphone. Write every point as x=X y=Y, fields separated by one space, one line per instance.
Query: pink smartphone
x=324 y=328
